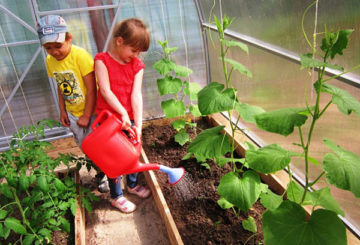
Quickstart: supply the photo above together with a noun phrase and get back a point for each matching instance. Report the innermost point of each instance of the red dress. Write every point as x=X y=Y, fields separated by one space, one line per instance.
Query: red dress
x=121 y=77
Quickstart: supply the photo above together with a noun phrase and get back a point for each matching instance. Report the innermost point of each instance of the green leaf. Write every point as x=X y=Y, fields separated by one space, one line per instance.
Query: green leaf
x=42 y=183
x=221 y=161
x=65 y=224
x=335 y=42
x=194 y=110
x=178 y=124
x=29 y=239
x=324 y=199
x=342 y=168
x=224 y=204
x=5 y=190
x=3 y=213
x=218 y=24
x=212 y=98
x=59 y=185
x=45 y=233
x=270 y=200
x=239 y=67
x=191 y=89
x=345 y=102
x=268 y=159
x=182 y=137
x=233 y=43
x=24 y=182
x=307 y=61
x=73 y=206
x=168 y=51
x=164 y=66
x=15 y=225
x=281 y=121
x=173 y=108
x=169 y=85
x=288 y=225
x=210 y=143
x=242 y=192
x=249 y=224
x=182 y=71
x=294 y=193
x=248 y=112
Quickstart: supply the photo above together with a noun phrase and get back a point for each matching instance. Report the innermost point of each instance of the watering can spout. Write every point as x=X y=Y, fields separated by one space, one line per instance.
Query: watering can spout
x=174 y=174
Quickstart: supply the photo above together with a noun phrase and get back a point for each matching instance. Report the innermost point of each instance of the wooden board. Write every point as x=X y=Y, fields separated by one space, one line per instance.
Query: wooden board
x=173 y=233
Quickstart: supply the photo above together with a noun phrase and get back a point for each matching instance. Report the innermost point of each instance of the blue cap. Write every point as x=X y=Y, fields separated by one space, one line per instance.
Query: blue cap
x=52 y=28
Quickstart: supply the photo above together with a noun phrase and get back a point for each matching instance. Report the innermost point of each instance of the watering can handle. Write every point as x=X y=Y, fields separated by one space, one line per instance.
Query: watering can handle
x=104 y=114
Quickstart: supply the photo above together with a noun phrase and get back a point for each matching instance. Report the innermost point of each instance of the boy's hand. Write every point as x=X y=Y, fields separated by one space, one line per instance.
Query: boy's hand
x=83 y=121
x=64 y=119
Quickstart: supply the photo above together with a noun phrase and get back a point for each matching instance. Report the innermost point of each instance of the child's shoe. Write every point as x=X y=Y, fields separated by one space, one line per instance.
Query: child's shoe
x=140 y=191
x=123 y=204
x=103 y=185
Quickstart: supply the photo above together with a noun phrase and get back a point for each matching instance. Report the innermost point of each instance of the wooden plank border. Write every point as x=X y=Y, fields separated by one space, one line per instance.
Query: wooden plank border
x=79 y=218
x=173 y=232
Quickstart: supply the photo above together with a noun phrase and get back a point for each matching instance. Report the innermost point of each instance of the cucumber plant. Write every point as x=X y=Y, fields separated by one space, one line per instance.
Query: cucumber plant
x=34 y=200
x=284 y=222
x=182 y=93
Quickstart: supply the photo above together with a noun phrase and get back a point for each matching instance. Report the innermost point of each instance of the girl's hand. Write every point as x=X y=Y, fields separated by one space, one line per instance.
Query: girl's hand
x=126 y=121
x=64 y=119
x=138 y=133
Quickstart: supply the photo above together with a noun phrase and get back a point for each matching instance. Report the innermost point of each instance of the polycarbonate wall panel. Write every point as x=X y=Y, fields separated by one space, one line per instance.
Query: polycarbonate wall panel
x=278 y=82
x=278 y=22
x=172 y=20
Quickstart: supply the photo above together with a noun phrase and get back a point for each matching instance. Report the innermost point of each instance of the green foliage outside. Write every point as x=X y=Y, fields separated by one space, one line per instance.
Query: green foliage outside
x=34 y=200
x=284 y=222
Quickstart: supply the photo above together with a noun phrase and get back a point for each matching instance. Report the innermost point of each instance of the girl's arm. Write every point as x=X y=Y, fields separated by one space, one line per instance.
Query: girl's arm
x=102 y=75
x=90 y=99
x=63 y=114
x=137 y=101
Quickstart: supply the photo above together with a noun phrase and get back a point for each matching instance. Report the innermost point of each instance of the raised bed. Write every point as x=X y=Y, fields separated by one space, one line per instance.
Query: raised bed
x=277 y=182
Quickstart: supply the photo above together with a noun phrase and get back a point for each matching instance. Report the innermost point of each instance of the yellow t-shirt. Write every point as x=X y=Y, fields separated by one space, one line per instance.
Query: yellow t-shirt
x=68 y=74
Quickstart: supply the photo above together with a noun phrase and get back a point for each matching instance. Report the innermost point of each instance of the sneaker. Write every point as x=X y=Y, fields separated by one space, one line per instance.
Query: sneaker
x=140 y=191
x=123 y=204
x=103 y=185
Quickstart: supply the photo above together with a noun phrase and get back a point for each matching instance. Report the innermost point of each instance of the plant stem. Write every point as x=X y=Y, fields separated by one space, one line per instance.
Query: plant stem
x=317 y=179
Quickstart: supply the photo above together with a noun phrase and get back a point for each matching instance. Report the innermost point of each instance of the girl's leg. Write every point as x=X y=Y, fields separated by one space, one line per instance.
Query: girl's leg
x=115 y=187
x=131 y=180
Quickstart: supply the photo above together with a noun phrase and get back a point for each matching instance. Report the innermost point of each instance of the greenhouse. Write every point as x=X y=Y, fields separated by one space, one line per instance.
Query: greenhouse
x=250 y=110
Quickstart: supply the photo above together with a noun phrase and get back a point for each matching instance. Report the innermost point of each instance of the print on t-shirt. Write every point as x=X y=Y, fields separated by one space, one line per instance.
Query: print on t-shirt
x=69 y=87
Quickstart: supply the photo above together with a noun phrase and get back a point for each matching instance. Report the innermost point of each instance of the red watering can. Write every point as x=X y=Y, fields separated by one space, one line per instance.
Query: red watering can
x=117 y=153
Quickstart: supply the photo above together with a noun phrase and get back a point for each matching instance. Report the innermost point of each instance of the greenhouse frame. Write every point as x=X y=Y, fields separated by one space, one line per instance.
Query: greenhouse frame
x=273 y=32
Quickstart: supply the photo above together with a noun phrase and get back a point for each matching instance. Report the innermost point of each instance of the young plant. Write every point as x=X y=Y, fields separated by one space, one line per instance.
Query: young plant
x=34 y=200
x=180 y=91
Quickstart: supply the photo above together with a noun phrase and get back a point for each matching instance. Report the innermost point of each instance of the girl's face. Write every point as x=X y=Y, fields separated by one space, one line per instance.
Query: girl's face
x=126 y=52
x=58 y=50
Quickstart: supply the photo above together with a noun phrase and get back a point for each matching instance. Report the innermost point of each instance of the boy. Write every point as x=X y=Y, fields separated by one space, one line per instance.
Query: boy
x=73 y=70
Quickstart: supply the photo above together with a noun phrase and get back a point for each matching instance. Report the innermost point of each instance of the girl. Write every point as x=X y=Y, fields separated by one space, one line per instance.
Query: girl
x=119 y=75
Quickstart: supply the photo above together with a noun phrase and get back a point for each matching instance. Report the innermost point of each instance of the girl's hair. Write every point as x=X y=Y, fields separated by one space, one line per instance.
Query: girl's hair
x=134 y=33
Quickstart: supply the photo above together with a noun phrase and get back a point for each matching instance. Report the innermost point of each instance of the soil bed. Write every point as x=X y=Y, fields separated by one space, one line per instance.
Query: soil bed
x=193 y=201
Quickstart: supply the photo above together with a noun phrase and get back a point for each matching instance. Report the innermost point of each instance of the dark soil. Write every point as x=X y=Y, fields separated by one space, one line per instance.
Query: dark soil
x=193 y=201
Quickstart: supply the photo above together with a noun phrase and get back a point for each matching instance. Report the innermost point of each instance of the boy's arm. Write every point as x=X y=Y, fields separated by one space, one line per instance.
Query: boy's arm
x=102 y=76
x=63 y=114
x=90 y=99
x=137 y=101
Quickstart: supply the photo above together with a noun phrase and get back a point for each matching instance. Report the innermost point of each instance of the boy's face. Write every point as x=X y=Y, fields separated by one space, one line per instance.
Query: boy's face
x=58 y=50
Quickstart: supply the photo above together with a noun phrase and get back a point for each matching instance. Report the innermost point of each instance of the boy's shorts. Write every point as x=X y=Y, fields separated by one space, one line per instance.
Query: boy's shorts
x=79 y=132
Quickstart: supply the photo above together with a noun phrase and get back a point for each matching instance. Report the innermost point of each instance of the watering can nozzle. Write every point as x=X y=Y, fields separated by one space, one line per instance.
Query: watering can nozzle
x=175 y=174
